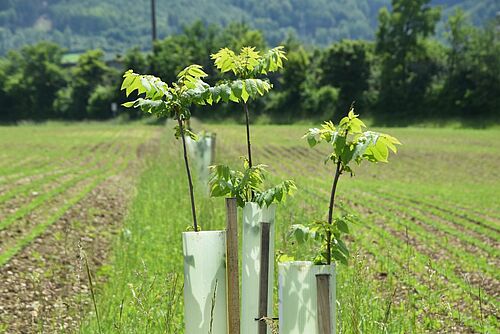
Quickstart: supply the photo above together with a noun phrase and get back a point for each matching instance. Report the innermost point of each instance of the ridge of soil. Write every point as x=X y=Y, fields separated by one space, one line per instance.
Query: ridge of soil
x=45 y=286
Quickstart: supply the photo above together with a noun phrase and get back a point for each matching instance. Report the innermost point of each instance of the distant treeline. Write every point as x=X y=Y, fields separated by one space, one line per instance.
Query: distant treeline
x=405 y=75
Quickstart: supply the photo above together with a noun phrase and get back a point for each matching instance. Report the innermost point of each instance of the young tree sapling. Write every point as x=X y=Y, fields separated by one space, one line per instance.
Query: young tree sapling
x=172 y=101
x=350 y=143
x=246 y=67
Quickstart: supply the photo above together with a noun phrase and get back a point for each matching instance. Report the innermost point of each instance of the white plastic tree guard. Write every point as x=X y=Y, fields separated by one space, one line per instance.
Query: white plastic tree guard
x=253 y=216
x=201 y=152
x=205 y=302
x=298 y=313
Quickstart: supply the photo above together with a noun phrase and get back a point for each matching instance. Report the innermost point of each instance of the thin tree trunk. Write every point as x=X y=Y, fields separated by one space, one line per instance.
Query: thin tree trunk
x=188 y=171
x=330 y=212
x=249 y=148
x=249 y=145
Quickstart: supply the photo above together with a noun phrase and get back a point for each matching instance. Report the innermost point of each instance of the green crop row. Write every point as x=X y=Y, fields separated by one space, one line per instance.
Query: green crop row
x=40 y=200
x=114 y=164
x=469 y=262
x=373 y=205
x=83 y=162
x=51 y=160
x=40 y=228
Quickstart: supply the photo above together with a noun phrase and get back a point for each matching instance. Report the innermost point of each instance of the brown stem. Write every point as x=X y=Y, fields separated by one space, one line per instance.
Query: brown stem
x=188 y=171
x=249 y=146
x=247 y=117
x=338 y=171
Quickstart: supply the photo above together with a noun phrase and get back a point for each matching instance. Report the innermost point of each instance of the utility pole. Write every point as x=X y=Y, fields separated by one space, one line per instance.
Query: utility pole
x=153 y=19
x=497 y=27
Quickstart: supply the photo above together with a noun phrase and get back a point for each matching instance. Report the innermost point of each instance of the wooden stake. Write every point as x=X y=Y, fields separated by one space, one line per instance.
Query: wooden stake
x=232 y=270
x=323 y=304
x=264 y=275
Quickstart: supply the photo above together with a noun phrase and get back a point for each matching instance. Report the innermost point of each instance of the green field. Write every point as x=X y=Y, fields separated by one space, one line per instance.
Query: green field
x=59 y=195
x=425 y=243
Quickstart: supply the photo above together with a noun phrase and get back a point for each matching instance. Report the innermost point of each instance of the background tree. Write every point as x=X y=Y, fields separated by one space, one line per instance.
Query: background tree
x=410 y=77
x=99 y=102
x=238 y=35
x=89 y=72
x=406 y=72
x=196 y=43
x=138 y=60
x=193 y=45
x=346 y=65
x=32 y=78
x=472 y=84
x=288 y=103
x=135 y=58
x=6 y=113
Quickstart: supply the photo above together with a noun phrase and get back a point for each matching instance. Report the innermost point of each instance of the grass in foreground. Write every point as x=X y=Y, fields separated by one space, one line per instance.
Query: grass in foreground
x=143 y=292
x=419 y=248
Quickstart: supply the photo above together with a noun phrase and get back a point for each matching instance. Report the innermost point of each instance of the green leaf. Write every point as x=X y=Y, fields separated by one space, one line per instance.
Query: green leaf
x=355 y=126
x=342 y=226
x=344 y=121
x=244 y=95
x=225 y=60
x=190 y=134
x=271 y=61
x=251 y=88
x=196 y=71
x=132 y=86
x=313 y=136
x=128 y=104
x=129 y=78
x=285 y=258
x=269 y=197
x=300 y=233
x=363 y=142
x=237 y=88
x=249 y=58
x=381 y=151
x=339 y=257
x=339 y=144
x=225 y=92
x=342 y=247
x=191 y=75
x=263 y=86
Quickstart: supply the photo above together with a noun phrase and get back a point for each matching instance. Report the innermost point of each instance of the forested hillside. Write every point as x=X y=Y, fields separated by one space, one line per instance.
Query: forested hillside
x=405 y=75
x=113 y=25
